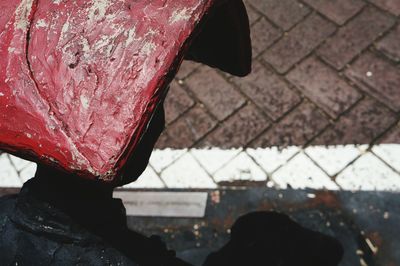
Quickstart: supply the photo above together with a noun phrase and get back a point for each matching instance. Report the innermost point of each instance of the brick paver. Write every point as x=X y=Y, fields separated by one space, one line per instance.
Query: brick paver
x=338 y=11
x=361 y=125
x=297 y=128
x=268 y=91
x=378 y=78
x=238 y=130
x=355 y=36
x=215 y=92
x=191 y=127
x=392 y=6
x=263 y=34
x=284 y=13
x=393 y=136
x=390 y=45
x=298 y=43
x=325 y=73
x=177 y=102
x=323 y=86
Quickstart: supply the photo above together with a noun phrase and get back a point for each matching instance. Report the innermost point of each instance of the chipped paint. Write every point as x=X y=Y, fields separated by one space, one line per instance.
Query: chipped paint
x=98 y=9
x=41 y=23
x=22 y=14
x=84 y=102
x=180 y=15
x=82 y=42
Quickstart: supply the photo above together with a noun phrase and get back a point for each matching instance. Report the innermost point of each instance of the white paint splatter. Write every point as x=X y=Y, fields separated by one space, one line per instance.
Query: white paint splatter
x=148 y=47
x=130 y=34
x=98 y=10
x=22 y=15
x=57 y=2
x=41 y=23
x=180 y=15
x=84 y=101
x=1 y=94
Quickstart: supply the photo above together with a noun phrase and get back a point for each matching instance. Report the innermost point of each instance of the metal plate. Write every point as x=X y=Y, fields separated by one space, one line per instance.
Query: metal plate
x=164 y=204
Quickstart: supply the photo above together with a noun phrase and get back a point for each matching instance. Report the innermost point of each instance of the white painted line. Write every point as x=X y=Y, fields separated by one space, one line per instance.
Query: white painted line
x=161 y=159
x=240 y=168
x=18 y=162
x=272 y=158
x=369 y=173
x=149 y=179
x=390 y=153
x=187 y=173
x=28 y=172
x=8 y=175
x=164 y=204
x=314 y=167
x=214 y=159
x=301 y=173
x=334 y=159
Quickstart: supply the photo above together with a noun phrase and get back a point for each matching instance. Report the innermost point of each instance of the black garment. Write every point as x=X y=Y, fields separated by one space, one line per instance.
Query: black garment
x=34 y=231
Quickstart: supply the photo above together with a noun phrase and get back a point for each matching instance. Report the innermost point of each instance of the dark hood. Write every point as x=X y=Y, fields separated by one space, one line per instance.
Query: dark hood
x=224 y=41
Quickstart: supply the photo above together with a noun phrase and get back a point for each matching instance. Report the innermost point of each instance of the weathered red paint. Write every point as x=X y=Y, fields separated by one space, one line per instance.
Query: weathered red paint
x=79 y=80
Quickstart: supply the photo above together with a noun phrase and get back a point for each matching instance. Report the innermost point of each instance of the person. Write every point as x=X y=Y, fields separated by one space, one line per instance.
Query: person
x=58 y=218
x=273 y=239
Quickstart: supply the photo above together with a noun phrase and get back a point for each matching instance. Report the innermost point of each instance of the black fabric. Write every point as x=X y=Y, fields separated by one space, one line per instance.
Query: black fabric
x=34 y=231
x=224 y=41
x=270 y=238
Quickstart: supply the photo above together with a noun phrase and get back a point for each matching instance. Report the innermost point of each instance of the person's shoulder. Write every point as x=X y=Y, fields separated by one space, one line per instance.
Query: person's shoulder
x=7 y=204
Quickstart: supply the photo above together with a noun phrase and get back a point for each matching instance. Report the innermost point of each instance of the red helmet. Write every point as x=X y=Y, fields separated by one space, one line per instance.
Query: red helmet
x=80 y=80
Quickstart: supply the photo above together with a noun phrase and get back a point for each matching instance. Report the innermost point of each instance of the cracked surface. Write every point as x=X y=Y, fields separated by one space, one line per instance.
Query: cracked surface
x=81 y=79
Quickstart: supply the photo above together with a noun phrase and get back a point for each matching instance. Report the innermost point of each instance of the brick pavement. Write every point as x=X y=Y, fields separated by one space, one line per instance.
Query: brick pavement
x=324 y=73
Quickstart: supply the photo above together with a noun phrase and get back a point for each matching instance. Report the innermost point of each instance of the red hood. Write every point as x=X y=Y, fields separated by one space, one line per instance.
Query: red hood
x=79 y=80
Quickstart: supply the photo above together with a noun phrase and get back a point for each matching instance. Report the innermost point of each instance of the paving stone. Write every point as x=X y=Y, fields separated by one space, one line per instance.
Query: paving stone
x=284 y=13
x=297 y=128
x=355 y=36
x=338 y=11
x=241 y=168
x=215 y=92
x=272 y=158
x=190 y=128
x=187 y=173
x=238 y=130
x=333 y=159
x=148 y=180
x=268 y=91
x=164 y=141
x=393 y=136
x=302 y=173
x=8 y=174
x=28 y=172
x=263 y=34
x=388 y=148
x=365 y=122
x=252 y=14
x=369 y=173
x=378 y=78
x=298 y=42
x=212 y=159
x=18 y=163
x=177 y=102
x=186 y=69
x=390 y=45
x=161 y=159
x=390 y=153
x=323 y=86
x=392 y=6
